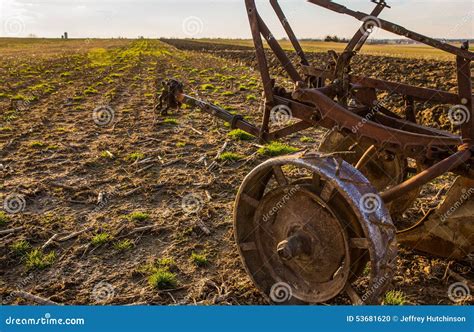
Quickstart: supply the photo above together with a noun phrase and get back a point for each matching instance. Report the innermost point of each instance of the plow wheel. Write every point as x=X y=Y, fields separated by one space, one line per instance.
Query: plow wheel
x=306 y=227
x=382 y=170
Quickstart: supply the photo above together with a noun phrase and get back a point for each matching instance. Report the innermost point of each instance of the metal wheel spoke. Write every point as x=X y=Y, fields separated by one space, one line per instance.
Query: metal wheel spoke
x=359 y=243
x=327 y=192
x=316 y=180
x=366 y=157
x=248 y=246
x=310 y=233
x=250 y=200
x=355 y=298
x=280 y=176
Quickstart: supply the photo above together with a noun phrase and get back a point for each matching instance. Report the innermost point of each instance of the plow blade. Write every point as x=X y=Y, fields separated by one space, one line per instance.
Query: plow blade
x=449 y=231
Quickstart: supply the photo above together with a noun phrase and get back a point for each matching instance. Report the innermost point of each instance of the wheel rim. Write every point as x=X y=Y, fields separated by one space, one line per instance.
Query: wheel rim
x=317 y=217
x=382 y=174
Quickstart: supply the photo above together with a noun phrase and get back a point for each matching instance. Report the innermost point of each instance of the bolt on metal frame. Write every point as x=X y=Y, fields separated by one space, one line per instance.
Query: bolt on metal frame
x=315 y=102
x=321 y=98
x=395 y=134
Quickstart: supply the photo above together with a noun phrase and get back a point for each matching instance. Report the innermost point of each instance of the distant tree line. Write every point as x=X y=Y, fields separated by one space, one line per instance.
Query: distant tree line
x=335 y=39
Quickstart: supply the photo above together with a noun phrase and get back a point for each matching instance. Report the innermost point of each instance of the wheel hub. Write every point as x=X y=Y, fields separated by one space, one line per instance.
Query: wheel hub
x=303 y=243
x=308 y=239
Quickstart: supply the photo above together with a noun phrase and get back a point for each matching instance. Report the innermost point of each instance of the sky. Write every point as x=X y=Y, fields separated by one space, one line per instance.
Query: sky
x=447 y=19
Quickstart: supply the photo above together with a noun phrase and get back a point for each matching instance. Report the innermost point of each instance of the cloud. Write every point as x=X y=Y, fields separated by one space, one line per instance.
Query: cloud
x=224 y=18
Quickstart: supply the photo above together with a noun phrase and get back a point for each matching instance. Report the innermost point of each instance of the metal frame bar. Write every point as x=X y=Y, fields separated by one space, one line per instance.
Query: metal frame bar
x=396 y=29
x=412 y=140
x=465 y=94
x=418 y=93
x=381 y=134
x=426 y=176
x=236 y=121
x=317 y=107
x=260 y=29
x=262 y=64
x=289 y=31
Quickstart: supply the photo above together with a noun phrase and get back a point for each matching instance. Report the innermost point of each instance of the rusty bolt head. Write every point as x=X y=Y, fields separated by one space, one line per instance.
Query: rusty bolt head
x=388 y=156
x=295 y=246
x=284 y=250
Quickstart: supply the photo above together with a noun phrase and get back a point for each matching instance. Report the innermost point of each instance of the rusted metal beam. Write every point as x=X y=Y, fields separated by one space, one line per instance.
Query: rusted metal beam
x=381 y=134
x=311 y=115
x=407 y=90
x=262 y=64
x=426 y=176
x=411 y=126
x=261 y=59
x=395 y=28
x=393 y=87
x=236 y=121
x=278 y=51
x=465 y=96
x=410 y=109
x=299 y=126
x=361 y=36
x=289 y=31
x=300 y=111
